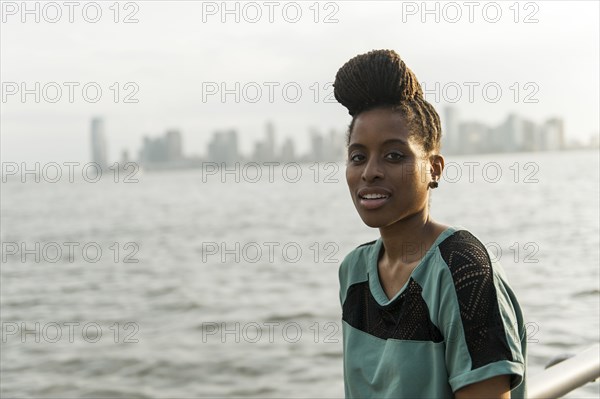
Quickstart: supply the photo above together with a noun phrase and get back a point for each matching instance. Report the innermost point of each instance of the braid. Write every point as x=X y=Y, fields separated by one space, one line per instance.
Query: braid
x=380 y=78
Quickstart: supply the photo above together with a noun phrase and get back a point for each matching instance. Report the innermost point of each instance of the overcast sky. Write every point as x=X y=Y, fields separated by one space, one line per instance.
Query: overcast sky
x=542 y=55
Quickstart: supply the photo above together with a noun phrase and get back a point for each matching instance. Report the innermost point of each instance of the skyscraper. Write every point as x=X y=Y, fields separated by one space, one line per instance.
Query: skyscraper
x=174 y=145
x=450 y=139
x=164 y=149
x=270 y=142
x=552 y=133
x=99 y=150
x=224 y=147
x=288 y=150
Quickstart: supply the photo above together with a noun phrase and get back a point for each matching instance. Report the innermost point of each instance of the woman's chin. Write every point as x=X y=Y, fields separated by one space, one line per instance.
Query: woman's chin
x=373 y=222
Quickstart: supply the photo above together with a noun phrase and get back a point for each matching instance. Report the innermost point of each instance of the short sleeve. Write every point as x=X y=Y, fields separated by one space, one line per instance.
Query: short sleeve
x=479 y=316
x=341 y=281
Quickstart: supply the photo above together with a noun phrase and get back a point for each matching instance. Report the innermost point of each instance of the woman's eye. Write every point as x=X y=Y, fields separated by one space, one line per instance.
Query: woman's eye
x=394 y=156
x=356 y=157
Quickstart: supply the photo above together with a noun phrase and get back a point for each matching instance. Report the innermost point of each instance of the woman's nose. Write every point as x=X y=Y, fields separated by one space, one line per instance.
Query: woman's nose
x=373 y=170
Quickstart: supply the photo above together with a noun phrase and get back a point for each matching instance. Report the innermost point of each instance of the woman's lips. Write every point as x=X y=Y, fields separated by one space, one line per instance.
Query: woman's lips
x=372 y=203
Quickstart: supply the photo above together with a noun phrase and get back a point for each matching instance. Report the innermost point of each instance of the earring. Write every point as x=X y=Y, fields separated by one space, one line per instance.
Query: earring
x=433 y=184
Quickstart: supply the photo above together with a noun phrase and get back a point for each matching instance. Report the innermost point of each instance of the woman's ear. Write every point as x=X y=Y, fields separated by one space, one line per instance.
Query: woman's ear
x=436 y=162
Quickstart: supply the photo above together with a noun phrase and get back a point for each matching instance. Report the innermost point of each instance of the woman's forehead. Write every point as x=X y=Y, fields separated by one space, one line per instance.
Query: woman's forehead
x=379 y=126
x=381 y=119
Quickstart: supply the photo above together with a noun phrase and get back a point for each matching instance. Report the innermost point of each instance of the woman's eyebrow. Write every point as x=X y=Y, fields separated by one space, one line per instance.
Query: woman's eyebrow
x=355 y=145
x=387 y=142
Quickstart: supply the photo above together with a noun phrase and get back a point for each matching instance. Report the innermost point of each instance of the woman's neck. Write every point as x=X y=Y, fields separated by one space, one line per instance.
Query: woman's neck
x=406 y=241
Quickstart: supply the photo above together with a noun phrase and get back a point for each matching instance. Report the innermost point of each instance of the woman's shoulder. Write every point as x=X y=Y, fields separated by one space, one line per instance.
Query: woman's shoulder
x=467 y=261
x=470 y=267
x=462 y=249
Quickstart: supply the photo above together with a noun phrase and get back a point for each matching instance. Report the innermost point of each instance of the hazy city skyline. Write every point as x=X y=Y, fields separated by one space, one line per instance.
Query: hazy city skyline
x=515 y=133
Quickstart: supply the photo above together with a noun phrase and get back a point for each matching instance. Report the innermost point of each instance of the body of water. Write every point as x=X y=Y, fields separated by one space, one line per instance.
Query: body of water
x=187 y=284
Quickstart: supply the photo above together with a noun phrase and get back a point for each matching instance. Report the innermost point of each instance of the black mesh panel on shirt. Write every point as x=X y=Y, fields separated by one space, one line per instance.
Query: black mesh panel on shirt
x=472 y=273
x=407 y=317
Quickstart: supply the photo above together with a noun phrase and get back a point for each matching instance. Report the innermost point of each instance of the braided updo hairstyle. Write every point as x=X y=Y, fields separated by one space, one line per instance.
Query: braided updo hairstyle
x=380 y=78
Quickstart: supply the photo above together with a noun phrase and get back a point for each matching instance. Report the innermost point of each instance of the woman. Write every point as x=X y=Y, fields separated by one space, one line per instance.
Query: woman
x=426 y=314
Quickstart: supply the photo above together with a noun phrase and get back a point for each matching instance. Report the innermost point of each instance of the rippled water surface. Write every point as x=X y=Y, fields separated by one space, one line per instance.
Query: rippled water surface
x=235 y=292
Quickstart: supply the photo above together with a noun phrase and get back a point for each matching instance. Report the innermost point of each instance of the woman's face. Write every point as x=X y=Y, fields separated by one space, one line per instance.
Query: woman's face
x=387 y=170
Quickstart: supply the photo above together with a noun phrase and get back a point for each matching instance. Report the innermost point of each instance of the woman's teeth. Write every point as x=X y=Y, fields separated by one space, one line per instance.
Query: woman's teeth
x=374 y=196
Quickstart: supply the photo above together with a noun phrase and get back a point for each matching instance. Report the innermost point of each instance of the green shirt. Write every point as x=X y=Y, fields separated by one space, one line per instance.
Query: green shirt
x=455 y=322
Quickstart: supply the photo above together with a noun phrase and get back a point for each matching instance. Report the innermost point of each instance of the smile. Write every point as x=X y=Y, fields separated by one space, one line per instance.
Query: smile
x=370 y=198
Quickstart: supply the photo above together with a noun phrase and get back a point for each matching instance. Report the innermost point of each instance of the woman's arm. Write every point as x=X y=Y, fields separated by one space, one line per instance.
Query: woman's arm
x=494 y=388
